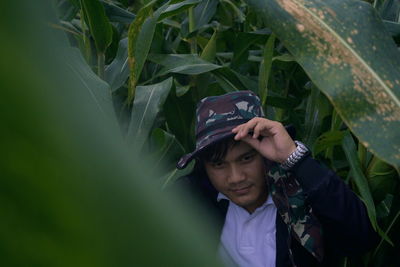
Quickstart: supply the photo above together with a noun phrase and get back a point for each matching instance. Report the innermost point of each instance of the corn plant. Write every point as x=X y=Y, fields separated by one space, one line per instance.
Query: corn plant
x=330 y=68
x=70 y=193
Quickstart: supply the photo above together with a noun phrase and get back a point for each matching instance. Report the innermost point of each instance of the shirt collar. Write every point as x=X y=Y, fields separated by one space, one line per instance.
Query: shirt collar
x=221 y=196
x=269 y=200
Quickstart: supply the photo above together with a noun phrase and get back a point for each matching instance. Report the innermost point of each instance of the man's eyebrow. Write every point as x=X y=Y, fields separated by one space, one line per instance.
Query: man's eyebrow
x=252 y=150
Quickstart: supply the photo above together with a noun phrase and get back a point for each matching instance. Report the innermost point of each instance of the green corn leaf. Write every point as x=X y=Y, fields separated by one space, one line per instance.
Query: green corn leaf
x=361 y=182
x=394 y=216
x=242 y=44
x=68 y=27
x=117 y=72
x=344 y=48
x=249 y=82
x=165 y=147
x=317 y=109
x=179 y=111
x=135 y=56
x=67 y=10
x=182 y=63
x=394 y=29
x=70 y=191
x=147 y=105
x=389 y=10
x=98 y=23
x=76 y=3
x=117 y=14
x=204 y=12
x=170 y=177
x=165 y=150
x=210 y=49
x=282 y=102
x=241 y=17
x=230 y=80
x=284 y=58
x=265 y=68
x=327 y=140
x=378 y=167
x=177 y=8
x=198 y=18
x=382 y=179
x=140 y=35
x=96 y=88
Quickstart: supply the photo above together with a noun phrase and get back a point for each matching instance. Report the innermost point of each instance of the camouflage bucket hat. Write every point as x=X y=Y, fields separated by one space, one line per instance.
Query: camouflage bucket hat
x=216 y=116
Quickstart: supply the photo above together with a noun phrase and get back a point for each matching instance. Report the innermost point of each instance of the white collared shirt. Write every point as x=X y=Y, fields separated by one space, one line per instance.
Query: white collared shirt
x=249 y=239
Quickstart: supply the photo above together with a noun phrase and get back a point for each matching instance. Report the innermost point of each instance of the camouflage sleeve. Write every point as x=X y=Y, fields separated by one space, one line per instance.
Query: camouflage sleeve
x=343 y=216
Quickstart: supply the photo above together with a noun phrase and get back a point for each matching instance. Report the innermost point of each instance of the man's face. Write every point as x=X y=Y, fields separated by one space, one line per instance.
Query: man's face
x=240 y=176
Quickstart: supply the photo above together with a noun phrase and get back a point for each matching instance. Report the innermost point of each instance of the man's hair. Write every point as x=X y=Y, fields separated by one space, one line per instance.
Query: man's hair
x=217 y=151
x=212 y=153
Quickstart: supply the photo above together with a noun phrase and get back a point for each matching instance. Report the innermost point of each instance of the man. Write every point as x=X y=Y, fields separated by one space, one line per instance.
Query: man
x=279 y=206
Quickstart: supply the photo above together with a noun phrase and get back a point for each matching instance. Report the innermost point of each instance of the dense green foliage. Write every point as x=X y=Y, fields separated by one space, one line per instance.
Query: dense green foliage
x=330 y=68
x=71 y=193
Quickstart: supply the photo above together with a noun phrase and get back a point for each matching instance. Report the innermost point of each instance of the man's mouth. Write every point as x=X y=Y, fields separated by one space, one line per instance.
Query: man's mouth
x=242 y=190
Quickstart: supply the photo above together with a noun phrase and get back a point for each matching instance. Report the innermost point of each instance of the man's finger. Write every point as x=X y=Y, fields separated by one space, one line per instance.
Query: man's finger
x=243 y=129
x=257 y=129
x=237 y=130
x=248 y=126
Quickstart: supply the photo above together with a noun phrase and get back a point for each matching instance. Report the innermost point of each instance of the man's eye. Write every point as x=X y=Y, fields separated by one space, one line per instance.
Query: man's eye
x=247 y=158
x=217 y=164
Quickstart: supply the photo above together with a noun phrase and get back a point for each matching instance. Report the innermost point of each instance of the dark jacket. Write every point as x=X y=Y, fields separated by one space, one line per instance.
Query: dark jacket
x=346 y=228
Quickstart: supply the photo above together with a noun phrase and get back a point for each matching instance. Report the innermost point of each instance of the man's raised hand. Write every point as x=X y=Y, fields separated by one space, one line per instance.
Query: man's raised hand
x=274 y=143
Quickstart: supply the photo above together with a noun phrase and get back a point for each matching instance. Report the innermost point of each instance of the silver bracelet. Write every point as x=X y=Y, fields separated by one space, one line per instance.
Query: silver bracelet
x=298 y=154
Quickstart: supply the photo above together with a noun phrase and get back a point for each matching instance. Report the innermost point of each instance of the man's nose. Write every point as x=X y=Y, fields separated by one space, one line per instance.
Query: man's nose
x=236 y=174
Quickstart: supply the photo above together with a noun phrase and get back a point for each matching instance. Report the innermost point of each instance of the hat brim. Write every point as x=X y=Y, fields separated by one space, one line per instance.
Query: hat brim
x=226 y=133
x=185 y=160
